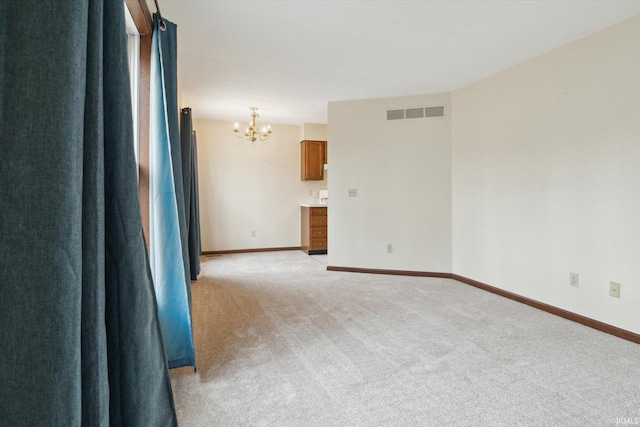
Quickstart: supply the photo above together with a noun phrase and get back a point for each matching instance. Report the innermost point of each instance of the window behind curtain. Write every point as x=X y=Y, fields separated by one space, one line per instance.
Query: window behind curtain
x=133 y=48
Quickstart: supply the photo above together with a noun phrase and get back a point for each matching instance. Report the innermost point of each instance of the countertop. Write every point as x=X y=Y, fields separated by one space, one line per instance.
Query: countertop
x=313 y=204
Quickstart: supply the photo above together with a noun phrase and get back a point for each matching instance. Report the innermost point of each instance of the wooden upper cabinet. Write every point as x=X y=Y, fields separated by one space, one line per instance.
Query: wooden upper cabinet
x=313 y=157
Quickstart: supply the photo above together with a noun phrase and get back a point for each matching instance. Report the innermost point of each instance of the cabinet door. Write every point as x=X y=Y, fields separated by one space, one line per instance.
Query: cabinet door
x=313 y=160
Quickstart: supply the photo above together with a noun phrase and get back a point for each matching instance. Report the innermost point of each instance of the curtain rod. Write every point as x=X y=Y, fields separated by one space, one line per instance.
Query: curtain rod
x=163 y=26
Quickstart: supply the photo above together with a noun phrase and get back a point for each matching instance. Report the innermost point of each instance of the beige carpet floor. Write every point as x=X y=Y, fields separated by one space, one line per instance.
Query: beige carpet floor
x=280 y=341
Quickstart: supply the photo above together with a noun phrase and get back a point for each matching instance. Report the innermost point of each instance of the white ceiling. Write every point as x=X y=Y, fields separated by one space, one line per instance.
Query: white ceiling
x=290 y=58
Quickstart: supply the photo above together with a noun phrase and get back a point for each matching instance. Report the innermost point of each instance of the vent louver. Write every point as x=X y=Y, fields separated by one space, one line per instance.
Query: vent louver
x=395 y=114
x=434 y=112
x=415 y=113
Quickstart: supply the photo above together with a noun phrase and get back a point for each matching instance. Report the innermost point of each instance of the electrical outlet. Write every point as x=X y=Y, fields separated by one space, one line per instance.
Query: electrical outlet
x=253 y=233
x=389 y=248
x=574 y=279
x=353 y=192
x=614 y=289
x=310 y=192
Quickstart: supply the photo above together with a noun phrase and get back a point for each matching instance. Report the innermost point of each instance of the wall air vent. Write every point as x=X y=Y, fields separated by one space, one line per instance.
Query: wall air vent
x=415 y=113
x=434 y=112
x=395 y=114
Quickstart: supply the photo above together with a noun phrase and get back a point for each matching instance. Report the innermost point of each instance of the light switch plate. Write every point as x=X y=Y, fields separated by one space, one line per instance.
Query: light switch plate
x=353 y=192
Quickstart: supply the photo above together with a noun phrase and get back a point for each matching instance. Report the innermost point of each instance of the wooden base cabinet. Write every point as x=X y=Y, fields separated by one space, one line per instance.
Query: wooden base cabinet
x=314 y=230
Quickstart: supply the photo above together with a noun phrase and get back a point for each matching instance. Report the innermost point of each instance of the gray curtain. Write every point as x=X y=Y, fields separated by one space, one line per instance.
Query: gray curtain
x=197 y=197
x=80 y=342
x=190 y=183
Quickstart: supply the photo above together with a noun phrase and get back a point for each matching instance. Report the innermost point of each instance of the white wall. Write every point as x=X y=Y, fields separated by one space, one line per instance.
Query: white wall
x=245 y=188
x=546 y=177
x=402 y=172
x=313 y=132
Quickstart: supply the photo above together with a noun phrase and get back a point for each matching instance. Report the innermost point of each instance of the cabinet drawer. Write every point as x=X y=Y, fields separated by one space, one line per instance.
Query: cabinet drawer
x=314 y=232
x=317 y=244
x=318 y=221
x=317 y=232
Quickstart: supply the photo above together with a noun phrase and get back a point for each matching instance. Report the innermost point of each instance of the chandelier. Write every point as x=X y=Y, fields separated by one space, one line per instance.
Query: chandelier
x=252 y=133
